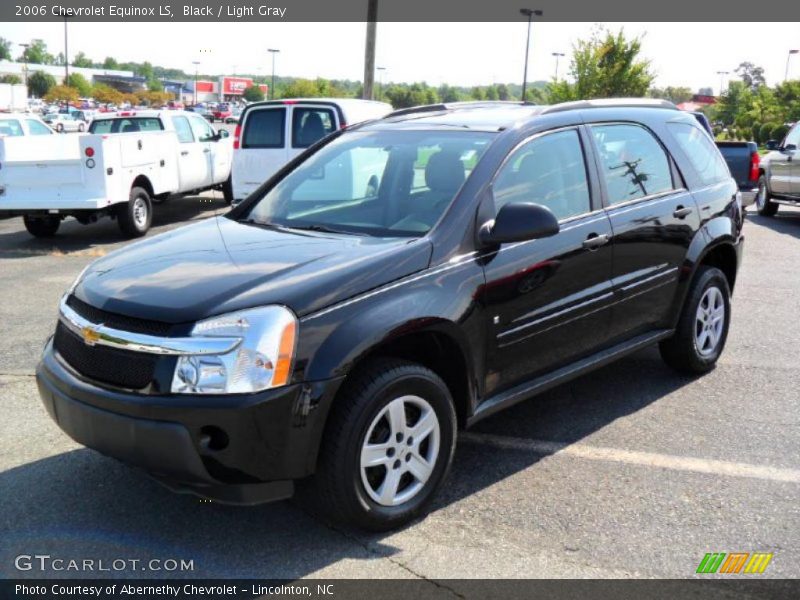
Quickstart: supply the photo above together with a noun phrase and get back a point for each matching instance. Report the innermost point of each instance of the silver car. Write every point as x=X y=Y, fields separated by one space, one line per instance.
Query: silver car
x=62 y=122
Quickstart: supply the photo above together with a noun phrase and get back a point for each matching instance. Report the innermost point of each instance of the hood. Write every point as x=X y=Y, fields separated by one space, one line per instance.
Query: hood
x=220 y=265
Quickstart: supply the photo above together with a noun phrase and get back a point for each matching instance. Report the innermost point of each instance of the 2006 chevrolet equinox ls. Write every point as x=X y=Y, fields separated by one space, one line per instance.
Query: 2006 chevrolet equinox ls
x=399 y=280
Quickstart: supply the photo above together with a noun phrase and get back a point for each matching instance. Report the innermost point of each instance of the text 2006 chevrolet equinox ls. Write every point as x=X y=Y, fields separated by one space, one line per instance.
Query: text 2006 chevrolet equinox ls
x=397 y=281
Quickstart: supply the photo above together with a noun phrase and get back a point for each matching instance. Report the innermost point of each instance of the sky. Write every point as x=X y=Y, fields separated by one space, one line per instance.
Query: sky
x=682 y=54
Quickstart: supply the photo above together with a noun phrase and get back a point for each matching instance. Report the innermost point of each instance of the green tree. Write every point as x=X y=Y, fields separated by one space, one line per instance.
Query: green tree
x=492 y=93
x=79 y=82
x=779 y=132
x=787 y=95
x=81 y=60
x=110 y=63
x=253 y=94
x=750 y=74
x=5 y=49
x=503 y=92
x=673 y=94
x=478 y=93
x=765 y=132
x=449 y=93
x=10 y=78
x=605 y=66
x=39 y=83
x=36 y=53
x=737 y=99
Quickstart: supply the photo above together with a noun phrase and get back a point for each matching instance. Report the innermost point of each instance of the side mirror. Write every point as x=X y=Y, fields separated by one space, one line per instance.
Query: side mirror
x=772 y=145
x=223 y=133
x=519 y=222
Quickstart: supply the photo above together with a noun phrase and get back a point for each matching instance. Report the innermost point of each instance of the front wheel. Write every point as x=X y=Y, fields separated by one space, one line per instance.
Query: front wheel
x=703 y=325
x=42 y=227
x=765 y=206
x=136 y=215
x=81 y=127
x=60 y=128
x=388 y=445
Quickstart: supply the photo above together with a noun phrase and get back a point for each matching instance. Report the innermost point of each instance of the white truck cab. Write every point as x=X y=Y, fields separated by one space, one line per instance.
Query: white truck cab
x=271 y=133
x=125 y=162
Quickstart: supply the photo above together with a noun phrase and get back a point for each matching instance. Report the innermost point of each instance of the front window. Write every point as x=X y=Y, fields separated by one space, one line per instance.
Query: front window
x=381 y=183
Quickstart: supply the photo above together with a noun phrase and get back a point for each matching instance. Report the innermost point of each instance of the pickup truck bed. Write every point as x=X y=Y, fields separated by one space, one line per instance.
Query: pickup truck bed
x=743 y=161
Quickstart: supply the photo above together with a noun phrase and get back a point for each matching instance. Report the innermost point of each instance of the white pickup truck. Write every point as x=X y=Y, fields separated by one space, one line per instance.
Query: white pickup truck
x=126 y=162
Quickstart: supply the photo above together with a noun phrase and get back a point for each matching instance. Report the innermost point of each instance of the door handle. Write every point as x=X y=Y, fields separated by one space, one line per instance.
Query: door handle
x=206 y=150
x=682 y=212
x=184 y=153
x=594 y=241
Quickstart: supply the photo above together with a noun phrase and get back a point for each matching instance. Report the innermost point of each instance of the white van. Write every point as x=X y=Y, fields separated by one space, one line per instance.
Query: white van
x=270 y=134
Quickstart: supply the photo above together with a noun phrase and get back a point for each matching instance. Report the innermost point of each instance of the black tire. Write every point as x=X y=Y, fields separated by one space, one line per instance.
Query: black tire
x=59 y=127
x=765 y=206
x=132 y=221
x=227 y=190
x=337 y=488
x=681 y=351
x=81 y=127
x=42 y=227
x=160 y=198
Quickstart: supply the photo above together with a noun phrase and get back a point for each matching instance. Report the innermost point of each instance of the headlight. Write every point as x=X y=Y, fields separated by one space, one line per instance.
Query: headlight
x=263 y=360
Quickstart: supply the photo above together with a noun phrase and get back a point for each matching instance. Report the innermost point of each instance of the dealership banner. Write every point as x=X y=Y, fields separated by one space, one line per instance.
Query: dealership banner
x=396 y=10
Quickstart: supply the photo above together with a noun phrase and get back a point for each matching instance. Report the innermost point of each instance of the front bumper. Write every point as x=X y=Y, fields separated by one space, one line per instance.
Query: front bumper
x=238 y=449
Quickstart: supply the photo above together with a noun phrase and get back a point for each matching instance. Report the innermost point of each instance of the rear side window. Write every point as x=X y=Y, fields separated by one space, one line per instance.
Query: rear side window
x=633 y=162
x=183 y=129
x=793 y=138
x=126 y=125
x=37 y=128
x=264 y=128
x=704 y=155
x=309 y=125
x=10 y=127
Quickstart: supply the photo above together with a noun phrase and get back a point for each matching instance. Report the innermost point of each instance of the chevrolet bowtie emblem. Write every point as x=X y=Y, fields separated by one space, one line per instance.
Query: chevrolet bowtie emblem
x=90 y=336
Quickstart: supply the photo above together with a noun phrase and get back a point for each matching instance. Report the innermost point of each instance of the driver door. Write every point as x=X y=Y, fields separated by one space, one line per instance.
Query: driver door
x=548 y=300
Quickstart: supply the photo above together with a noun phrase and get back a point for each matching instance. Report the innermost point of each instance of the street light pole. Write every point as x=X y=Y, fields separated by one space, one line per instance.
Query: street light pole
x=380 y=80
x=788 y=56
x=66 y=52
x=196 y=64
x=25 y=62
x=722 y=79
x=272 y=51
x=528 y=12
x=557 y=55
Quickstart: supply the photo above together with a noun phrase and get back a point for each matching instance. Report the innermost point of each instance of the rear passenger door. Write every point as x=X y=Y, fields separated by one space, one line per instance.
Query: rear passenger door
x=262 y=148
x=653 y=218
x=548 y=300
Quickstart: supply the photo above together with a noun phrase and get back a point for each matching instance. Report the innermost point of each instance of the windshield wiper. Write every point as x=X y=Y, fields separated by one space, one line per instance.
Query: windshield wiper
x=265 y=224
x=323 y=229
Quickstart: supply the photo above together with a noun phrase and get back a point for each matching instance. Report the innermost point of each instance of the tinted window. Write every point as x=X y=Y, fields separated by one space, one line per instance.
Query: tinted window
x=125 y=125
x=10 y=127
x=549 y=170
x=632 y=161
x=383 y=183
x=793 y=137
x=37 y=128
x=264 y=128
x=183 y=129
x=701 y=151
x=310 y=125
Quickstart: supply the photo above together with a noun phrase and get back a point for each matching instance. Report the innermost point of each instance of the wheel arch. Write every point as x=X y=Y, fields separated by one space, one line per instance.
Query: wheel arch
x=143 y=181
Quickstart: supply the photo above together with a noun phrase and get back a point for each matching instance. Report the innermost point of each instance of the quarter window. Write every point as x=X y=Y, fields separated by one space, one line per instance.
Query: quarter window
x=632 y=161
x=701 y=152
x=549 y=170
x=183 y=129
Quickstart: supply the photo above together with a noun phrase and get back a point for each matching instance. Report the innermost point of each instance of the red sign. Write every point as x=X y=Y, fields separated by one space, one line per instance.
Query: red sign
x=235 y=86
x=205 y=86
x=264 y=88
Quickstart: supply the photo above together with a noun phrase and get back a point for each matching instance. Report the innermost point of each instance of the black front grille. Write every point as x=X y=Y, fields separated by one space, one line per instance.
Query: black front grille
x=115 y=321
x=121 y=368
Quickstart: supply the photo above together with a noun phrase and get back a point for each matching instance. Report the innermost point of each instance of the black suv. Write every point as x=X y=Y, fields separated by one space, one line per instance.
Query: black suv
x=398 y=281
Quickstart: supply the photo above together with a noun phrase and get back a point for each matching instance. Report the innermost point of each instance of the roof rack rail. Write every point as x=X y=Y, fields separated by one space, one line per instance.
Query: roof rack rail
x=610 y=103
x=442 y=106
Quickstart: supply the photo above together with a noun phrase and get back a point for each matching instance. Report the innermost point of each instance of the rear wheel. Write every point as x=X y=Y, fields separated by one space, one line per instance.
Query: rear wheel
x=703 y=325
x=60 y=127
x=388 y=445
x=765 y=206
x=42 y=227
x=136 y=215
x=81 y=127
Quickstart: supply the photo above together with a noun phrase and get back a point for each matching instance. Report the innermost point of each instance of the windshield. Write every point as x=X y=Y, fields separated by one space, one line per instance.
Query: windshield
x=381 y=183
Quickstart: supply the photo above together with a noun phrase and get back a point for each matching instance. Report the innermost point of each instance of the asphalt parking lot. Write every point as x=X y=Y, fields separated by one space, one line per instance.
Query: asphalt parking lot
x=632 y=471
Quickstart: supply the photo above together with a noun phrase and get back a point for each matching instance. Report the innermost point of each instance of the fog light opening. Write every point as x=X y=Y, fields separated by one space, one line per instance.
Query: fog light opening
x=213 y=438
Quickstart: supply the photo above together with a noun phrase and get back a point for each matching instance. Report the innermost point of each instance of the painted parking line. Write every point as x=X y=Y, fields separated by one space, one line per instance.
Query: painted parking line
x=648 y=459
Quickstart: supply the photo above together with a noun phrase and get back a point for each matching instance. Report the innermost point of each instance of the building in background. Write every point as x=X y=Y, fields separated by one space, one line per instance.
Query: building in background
x=126 y=80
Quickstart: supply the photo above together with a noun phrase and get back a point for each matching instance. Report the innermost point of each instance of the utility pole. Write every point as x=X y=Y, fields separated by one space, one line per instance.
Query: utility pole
x=788 y=56
x=528 y=12
x=722 y=79
x=369 y=53
x=557 y=55
x=272 y=51
x=66 y=51
x=196 y=64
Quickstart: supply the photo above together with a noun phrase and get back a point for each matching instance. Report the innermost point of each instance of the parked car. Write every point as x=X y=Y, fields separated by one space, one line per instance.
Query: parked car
x=269 y=134
x=84 y=115
x=779 y=181
x=63 y=122
x=221 y=112
x=127 y=162
x=236 y=112
x=508 y=248
x=22 y=124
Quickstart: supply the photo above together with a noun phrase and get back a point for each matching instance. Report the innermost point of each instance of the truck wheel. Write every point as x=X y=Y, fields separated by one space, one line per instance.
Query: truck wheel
x=60 y=127
x=227 y=190
x=703 y=324
x=41 y=227
x=136 y=215
x=387 y=447
x=81 y=127
x=765 y=207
